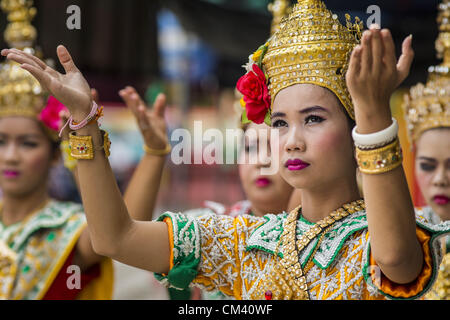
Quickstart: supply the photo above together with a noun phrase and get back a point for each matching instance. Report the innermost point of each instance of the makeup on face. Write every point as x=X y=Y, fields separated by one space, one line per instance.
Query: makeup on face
x=296 y=164
x=10 y=174
x=441 y=200
x=262 y=182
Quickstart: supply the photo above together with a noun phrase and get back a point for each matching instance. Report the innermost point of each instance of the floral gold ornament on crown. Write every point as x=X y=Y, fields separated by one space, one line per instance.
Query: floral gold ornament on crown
x=427 y=106
x=310 y=47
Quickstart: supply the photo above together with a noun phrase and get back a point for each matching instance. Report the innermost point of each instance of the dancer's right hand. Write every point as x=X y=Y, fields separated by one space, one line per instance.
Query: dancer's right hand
x=151 y=122
x=70 y=88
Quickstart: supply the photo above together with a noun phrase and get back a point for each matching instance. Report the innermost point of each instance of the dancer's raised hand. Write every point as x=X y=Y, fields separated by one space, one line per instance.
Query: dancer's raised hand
x=71 y=88
x=151 y=122
x=374 y=73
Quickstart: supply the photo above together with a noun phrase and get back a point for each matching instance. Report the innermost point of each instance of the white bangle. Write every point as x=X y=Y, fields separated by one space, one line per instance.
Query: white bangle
x=376 y=139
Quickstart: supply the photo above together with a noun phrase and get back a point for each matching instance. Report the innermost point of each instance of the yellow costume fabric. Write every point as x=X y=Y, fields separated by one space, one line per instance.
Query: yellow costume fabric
x=234 y=256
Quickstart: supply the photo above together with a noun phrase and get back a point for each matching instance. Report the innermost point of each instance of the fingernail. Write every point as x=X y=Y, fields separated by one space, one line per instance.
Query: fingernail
x=411 y=36
x=375 y=26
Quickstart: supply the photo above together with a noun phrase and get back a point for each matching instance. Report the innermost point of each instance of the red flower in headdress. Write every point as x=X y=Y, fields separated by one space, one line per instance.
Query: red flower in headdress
x=256 y=94
x=50 y=115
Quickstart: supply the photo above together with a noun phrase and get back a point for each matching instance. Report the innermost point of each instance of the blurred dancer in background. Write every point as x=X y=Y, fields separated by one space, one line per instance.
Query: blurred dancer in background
x=45 y=246
x=427 y=109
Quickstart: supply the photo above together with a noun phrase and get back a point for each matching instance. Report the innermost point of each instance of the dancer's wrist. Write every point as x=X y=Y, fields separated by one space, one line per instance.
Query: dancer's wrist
x=373 y=121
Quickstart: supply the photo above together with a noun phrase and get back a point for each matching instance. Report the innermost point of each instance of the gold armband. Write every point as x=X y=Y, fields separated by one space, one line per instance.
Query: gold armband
x=380 y=160
x=82 y=148
x=158 y=152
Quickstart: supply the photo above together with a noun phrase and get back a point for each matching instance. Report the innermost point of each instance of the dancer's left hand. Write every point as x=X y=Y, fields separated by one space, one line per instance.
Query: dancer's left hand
x=374 y=73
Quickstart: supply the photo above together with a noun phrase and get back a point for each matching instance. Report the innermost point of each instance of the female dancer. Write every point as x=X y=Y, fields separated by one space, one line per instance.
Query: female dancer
x=46 y=250
x=319 y=251
x=427 y=110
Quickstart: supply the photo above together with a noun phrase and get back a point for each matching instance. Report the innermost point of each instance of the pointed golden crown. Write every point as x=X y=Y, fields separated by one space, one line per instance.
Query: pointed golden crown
x=312 y=46
x=20 y=93
x=428 y=106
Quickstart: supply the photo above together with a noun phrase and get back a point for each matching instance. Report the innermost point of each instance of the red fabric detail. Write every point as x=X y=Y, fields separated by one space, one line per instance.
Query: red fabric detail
x=58 y=289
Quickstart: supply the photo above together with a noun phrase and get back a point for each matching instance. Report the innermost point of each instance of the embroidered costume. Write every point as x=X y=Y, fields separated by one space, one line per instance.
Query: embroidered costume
x=236 y=255
x=441 y=288
x=36 y=254
x=285 y=256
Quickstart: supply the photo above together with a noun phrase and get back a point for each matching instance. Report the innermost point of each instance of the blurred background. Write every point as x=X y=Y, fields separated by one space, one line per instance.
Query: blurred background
x=192 y=50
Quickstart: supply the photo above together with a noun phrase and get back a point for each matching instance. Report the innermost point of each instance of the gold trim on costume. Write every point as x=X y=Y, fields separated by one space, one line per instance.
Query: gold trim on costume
x=61 y=261
x=287 y=279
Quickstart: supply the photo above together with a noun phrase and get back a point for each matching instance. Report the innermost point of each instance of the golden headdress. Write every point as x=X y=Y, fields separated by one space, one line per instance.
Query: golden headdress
x=428 y=106
x=312 y=46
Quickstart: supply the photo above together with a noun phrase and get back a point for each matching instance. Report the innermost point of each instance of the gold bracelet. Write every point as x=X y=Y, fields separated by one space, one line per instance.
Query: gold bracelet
x=69 y=162
x=81 y=147
x=380 y=160
x=158 y=152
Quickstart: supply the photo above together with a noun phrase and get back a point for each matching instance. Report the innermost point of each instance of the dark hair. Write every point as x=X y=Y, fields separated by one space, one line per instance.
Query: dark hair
x=351 y=122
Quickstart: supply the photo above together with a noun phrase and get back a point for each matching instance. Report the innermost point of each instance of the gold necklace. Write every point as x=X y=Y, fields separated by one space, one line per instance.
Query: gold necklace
x=287 y=279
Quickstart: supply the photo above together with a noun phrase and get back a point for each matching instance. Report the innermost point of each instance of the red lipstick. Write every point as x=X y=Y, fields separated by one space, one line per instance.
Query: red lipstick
x=296 y=164
x=10 y=174
x=441 y=200
x=262 y=182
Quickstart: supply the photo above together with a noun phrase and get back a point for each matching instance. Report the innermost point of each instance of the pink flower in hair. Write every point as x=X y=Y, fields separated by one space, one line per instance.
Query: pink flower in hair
x=50 y=115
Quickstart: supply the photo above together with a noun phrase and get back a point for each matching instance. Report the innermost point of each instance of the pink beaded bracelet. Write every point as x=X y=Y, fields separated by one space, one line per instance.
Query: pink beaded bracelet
x=86 y=121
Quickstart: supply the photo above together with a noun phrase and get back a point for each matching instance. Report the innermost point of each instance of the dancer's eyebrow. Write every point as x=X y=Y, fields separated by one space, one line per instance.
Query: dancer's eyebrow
x=278 y=115
x=428 y=159
x=312 y=109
